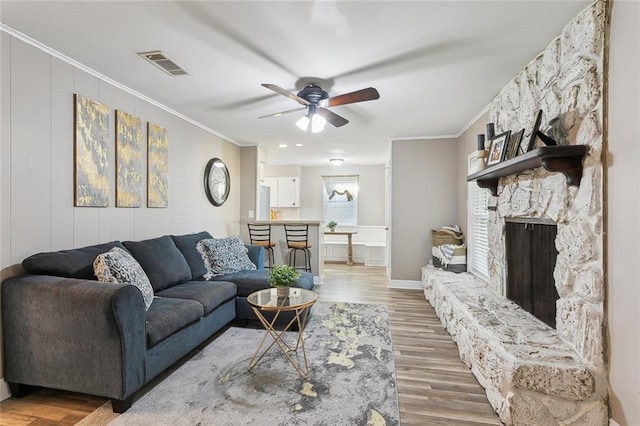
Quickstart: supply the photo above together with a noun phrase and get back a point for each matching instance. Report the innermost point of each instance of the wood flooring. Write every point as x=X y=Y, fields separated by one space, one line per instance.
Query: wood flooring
x=434 y=386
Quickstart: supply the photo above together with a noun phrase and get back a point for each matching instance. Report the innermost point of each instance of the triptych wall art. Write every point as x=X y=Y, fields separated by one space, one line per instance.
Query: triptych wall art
x=157 y=160
x=91 y=158
x=91 y=153
x=128 y=160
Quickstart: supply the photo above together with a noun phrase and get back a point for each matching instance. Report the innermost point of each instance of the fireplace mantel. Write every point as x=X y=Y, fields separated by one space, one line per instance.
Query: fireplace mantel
x=566 y=159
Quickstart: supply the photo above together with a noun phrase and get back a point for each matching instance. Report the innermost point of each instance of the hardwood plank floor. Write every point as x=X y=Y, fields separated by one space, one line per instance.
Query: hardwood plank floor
x=434 y=386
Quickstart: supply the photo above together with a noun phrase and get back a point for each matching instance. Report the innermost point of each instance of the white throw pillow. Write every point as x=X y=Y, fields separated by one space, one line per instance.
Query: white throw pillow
x=118 y=266
x=223 y=256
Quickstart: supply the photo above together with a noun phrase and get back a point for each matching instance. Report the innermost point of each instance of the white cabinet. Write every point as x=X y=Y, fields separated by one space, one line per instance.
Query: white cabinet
x=285 y=191
x=288 y=192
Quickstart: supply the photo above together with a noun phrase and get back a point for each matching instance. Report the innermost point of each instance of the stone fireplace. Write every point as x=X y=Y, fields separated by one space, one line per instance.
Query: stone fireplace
x=533 y=373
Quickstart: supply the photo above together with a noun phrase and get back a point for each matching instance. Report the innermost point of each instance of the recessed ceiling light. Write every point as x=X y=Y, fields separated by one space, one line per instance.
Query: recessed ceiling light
x=299 y=144
x=282 y=145
x=336 y=161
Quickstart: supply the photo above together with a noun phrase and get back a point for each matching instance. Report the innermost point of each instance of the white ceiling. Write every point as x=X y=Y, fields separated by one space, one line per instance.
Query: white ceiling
x=436 y=64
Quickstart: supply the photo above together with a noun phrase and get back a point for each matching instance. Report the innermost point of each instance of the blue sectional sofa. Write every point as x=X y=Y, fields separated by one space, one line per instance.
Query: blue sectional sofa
x=63 y=329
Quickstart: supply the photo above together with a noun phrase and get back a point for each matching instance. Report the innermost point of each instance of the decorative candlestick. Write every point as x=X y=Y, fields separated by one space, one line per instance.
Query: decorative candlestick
x=491 y=131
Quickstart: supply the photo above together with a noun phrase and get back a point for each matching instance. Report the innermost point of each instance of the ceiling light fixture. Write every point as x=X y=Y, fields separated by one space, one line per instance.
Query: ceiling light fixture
x=312 y=120
x=336 y=161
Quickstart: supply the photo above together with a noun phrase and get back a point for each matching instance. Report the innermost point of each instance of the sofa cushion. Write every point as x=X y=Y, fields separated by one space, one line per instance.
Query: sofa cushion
x=249 y=281
x=187 y=245
x=161 y=260
x=209 y=294
x=118 y=266
x=167 y=316
x=224 y=256
x=73 y=263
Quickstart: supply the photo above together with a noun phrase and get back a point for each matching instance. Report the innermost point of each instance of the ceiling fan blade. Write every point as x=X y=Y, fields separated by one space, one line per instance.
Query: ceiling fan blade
x=278 y=114
x=332 y=117
x=368 y=94
x=286 y=93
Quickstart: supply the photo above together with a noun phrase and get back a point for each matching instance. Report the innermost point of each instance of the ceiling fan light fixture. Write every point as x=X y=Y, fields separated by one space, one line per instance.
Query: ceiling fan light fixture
x=317 y=123
x=303 y=123
x=336 y=161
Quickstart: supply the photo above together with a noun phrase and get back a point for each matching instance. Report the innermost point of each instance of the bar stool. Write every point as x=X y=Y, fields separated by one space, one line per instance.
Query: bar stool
x=298 y=240
x=260 y=235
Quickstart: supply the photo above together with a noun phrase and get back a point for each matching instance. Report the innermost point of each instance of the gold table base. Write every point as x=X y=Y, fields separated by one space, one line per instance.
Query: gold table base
x=300 y=318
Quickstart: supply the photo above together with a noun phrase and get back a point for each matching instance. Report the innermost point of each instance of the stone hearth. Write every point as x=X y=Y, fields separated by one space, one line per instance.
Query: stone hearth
x=534 y=374
x=530 y=374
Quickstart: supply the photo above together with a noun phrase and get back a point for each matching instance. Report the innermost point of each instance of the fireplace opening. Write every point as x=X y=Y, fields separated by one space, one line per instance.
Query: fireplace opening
x=531 y=258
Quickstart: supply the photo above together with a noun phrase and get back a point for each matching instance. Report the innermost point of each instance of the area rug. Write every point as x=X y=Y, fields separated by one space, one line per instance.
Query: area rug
x=351 y=380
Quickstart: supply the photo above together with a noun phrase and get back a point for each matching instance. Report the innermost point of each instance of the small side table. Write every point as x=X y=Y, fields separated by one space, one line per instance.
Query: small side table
x=298 y=301
x=349 y=243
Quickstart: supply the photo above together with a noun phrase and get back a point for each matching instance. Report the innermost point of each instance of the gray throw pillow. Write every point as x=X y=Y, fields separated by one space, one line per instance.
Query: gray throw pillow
x=223 y=256
x=118 y=266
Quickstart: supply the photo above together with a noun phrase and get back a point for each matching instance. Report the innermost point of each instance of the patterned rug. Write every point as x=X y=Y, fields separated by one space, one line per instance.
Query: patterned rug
x=351 y=380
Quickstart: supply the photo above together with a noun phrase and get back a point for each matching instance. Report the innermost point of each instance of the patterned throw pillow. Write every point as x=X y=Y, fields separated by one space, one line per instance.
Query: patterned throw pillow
x=224 y=256
x=118 y=266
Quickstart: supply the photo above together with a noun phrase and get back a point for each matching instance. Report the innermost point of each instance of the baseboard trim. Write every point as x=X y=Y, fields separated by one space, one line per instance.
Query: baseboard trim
x=613 y=423
x=4 y=390
x=405 y=284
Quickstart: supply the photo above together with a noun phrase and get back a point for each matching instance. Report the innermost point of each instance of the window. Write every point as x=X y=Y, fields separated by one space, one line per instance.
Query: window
x=478 y=223
x=340 y=199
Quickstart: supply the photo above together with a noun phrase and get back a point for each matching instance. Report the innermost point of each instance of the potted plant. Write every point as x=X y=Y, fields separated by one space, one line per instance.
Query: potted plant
x=281 y=276
x=332 y=226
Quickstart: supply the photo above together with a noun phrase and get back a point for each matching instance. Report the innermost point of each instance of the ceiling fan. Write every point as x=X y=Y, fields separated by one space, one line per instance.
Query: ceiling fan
x=316 y=100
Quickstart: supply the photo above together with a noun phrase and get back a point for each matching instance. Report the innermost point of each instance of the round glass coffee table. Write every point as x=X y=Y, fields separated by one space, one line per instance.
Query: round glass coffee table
x=298 y=301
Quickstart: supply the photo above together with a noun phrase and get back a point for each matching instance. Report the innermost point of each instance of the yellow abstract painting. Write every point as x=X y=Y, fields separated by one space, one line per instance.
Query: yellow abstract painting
x=157 y=166
x=91 y=151
x=129 y=164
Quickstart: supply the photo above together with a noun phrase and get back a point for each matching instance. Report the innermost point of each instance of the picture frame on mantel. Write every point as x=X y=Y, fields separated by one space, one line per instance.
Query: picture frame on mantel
x=534 y=133
x=498 y=148
x=513 y=146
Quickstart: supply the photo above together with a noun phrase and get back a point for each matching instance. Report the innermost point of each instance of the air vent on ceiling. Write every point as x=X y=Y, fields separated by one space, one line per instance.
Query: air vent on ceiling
x=162 y=61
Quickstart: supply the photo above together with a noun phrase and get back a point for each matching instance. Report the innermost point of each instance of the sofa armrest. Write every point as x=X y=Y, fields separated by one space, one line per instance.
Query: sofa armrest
x=74 y=334
x=256 y=255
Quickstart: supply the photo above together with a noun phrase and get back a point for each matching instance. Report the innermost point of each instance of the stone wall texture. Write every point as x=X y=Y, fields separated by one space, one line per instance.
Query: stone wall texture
x=566 y=82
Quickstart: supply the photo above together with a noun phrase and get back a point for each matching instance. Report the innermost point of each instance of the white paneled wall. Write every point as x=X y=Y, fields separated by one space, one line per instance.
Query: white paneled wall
x=36 y=164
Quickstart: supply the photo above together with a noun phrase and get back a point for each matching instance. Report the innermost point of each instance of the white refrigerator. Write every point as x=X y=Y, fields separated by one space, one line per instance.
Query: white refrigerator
x=264 y=202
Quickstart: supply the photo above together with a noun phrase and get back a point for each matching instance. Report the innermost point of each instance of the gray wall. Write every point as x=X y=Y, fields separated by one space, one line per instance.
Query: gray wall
x=248 y=181
x=36 y=164
x=371 y=198
x=424 y=178
x=623 y=208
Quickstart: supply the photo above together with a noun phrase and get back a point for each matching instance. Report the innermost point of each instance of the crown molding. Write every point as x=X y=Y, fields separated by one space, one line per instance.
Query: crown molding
x=35 y=43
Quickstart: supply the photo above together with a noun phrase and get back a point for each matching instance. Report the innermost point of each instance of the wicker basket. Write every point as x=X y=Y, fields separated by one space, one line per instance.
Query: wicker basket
x=444 y=236
x=441 y=237
x=458 y=263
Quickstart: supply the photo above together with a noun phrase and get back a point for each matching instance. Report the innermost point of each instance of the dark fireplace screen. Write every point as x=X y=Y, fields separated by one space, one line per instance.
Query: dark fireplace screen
x=531 y=257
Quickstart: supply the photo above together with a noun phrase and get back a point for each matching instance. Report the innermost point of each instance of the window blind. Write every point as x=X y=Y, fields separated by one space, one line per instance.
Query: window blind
x=479 y=238
x=340 y=199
